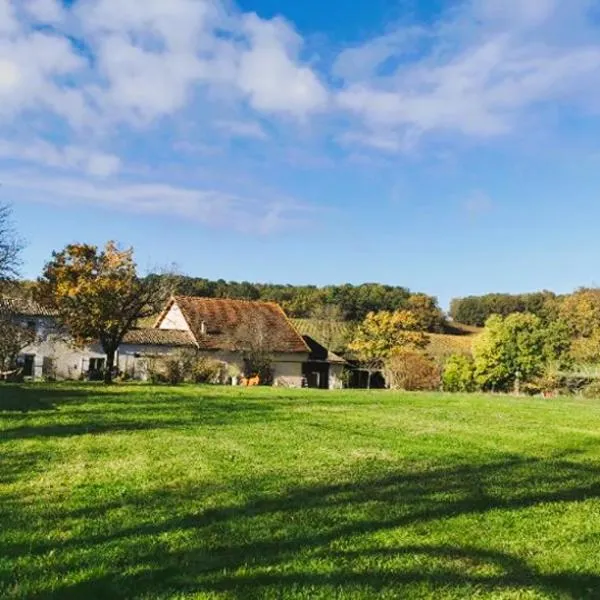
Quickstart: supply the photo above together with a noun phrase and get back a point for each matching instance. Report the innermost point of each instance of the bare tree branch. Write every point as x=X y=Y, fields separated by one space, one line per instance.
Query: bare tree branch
x=11 y=247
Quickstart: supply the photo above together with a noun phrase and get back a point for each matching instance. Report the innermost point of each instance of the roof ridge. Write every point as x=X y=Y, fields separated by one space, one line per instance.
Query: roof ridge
x=245 y=300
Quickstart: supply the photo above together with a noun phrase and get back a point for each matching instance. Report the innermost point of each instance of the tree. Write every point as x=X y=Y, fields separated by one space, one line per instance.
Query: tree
x=426 y=311
x=581 y=312
x=458 y=374
x=10 y=247
x=475 y=310
x=514 y=347
x=98 y=295
x=255 y=345
x=382 y=333
x=411 y=370
x=14 y=335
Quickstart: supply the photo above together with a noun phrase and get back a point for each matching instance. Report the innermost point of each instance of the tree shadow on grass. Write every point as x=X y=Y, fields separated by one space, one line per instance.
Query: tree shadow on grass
x=77 y=411
x=331 y=539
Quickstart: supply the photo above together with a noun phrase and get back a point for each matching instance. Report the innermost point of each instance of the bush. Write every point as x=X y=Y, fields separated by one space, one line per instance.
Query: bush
x=186 y=367
x=412 y=371
x=549 y=383
x=261 y=365
x=459 y=374
x=174 y=370
x=592 y=390
x=207 y=370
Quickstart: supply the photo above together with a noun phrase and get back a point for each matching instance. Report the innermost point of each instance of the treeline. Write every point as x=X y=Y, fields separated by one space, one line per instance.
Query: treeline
x=337 y=302
x=476 y=310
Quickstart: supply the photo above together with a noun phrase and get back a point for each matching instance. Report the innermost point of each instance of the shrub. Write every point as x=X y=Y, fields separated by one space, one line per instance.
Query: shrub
x=207 y=370
x=592 y=390
x=549 y=383
x=174 y=370
x=155 y=370
x=165 y=369
x=412 y=371
x=261 y=365
x=459 y=374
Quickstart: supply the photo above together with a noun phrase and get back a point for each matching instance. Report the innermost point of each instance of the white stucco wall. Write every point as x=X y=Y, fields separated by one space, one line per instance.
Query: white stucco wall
x=288 y=373
x=133 y=358
x=61 y=357
x=335 y=377
x=174 y=319
x=285 y=366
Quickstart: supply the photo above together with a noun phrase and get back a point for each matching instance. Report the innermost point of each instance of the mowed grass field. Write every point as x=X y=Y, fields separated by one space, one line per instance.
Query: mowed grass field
x=208 y=492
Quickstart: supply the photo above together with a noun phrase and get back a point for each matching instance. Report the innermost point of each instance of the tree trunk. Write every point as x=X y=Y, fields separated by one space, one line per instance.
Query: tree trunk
x=110 y=365
x=369 y=373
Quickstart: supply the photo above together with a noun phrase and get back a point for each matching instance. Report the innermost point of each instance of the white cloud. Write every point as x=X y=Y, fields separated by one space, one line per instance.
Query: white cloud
x=92 y=162
x=150 y=77
x=483 y=68
x=208 y=206
x=45 y=11
x=269 y=73
x=243 y=129
x=363 y=61
x=149 y=59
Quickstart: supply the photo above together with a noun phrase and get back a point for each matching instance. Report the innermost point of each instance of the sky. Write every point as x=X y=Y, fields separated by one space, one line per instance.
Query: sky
x=452 y=147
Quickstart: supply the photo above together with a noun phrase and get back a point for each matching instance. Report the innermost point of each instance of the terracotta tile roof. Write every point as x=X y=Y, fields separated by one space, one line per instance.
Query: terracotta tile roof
x=25 y=308
x=159 y=337
x=233 y=324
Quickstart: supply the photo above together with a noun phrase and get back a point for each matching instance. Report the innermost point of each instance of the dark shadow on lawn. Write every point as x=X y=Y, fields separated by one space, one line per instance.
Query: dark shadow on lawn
x=124 y=409
x=267 y=543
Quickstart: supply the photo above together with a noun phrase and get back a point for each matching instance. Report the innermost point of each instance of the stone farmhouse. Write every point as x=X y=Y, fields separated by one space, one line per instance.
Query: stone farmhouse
x=221 y=329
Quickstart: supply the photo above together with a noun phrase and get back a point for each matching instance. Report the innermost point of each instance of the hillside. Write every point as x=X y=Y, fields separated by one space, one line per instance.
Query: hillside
x=336 y=335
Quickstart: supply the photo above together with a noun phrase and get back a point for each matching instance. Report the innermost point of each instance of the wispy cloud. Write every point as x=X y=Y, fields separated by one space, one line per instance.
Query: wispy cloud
x=209 y=206
x=243 y=129
x=76 y=158
x=107 y=89
x=476 y=72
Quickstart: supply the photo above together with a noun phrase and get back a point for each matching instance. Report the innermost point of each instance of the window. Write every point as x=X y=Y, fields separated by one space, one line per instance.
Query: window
x=97 y=364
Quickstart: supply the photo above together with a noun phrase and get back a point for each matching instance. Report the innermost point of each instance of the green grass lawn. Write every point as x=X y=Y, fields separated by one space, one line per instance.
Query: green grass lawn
x=149 y=492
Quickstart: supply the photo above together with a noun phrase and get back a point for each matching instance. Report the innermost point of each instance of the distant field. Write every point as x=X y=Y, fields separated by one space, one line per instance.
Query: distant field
x=441 y=346
x=191 y=492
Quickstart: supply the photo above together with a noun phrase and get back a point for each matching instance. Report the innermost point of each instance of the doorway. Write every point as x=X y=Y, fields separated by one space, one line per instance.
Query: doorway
x=28 y=365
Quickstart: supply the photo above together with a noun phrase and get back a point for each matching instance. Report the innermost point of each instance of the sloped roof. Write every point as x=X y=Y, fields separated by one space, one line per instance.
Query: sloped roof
x=335 y=335
x=25 y=307
x=159 y=337
x=319 y=353
x=235 y=324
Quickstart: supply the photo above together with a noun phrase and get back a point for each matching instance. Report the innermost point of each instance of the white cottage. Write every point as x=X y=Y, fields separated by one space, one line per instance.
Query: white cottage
x=52 y=354
x=214 y=327
x=222 y=328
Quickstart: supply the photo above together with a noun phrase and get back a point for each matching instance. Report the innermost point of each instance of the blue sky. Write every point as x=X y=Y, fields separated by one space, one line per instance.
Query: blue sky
x=451 y=147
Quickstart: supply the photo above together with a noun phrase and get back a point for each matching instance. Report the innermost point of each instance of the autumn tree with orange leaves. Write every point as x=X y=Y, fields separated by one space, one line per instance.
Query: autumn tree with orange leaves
x=98 y=295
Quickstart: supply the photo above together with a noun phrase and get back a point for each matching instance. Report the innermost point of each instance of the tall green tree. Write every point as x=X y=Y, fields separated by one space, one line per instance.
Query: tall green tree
x=98 y=295
x=517 y=346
